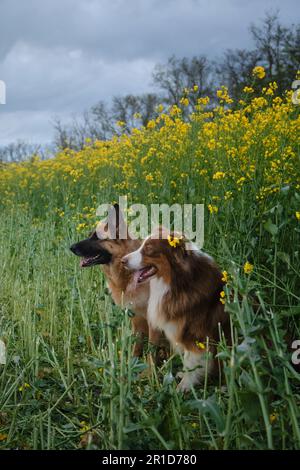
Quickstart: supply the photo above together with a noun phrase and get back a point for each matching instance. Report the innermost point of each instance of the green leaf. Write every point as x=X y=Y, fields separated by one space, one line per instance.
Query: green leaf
x=209 y=407
x=293 y=311
x=271 y=228
x=285 y=257
x=250 y=405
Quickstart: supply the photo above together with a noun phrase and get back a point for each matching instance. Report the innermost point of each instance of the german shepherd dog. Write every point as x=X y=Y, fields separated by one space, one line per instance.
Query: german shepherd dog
x=103 y=248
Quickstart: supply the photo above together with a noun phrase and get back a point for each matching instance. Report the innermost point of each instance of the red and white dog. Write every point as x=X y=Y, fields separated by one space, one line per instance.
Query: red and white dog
x=184 y=301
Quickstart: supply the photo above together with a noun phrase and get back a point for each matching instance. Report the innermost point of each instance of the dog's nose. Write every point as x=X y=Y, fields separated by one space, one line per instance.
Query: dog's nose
x=74 y=248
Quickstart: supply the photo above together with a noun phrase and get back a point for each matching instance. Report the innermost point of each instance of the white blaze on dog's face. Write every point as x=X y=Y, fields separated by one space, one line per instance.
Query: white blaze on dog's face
x=134 y=260
x=154 y=258
x=138 y=262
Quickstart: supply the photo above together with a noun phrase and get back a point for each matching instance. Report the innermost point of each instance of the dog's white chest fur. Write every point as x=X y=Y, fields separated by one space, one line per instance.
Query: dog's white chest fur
x=158 y=288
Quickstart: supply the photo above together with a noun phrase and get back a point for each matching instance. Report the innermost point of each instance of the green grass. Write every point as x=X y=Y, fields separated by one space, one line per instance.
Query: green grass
x=72 y=346
x=70 y=380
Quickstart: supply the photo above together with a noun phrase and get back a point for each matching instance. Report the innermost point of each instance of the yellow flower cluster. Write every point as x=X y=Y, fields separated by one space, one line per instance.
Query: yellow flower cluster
x=248 y=268
x=174 y=241
x=23 y=387
x=219 y=175
x=217 y=156
x=223 y=95
x=259 y=72
x=222 y=297
x=225 y=277
x=212 y=209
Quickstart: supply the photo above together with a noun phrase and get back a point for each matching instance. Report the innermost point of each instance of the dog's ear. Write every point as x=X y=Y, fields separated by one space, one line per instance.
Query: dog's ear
x=116 y=223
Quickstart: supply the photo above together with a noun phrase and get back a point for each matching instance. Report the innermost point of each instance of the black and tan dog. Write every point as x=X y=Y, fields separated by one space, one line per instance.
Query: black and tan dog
x=103 y=248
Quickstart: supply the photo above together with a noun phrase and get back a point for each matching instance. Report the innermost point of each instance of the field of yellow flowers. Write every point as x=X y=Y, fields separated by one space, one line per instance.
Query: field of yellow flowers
x=69 y=380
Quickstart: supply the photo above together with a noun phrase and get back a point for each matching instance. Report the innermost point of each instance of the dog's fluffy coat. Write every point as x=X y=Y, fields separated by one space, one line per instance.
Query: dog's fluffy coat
x=184 y=300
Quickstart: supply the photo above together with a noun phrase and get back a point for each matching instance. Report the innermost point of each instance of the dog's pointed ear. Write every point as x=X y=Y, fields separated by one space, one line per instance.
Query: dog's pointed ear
x=116 y=223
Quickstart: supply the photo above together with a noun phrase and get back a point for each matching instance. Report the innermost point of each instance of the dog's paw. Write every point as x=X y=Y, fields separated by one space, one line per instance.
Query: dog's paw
x=184 y=386
x=179 y=375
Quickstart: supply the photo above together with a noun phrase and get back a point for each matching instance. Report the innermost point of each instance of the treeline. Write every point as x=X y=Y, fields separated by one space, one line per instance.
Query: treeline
x=275 y=47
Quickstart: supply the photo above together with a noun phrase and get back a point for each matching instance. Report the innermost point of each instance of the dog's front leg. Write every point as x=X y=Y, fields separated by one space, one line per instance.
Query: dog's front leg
x=162 y=348
x=154 y=336
x=194 y=370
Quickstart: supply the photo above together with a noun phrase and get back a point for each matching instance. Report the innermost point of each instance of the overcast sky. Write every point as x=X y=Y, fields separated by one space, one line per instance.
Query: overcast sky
x=59 y=57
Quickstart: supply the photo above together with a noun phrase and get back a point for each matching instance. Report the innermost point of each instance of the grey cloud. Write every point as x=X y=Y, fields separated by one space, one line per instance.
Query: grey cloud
x=59 y=57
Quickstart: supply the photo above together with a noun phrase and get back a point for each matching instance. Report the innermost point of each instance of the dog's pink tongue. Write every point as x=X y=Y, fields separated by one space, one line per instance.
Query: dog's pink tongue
x=83 y=262
x=134 y=281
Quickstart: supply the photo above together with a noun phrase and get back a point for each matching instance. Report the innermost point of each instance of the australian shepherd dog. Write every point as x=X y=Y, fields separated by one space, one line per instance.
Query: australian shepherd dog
x=184 y=299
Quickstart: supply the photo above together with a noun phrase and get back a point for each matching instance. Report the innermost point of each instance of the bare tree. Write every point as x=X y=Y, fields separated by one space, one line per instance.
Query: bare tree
x=95 y=124
x=20 y=151
x=234 y=70
x=177 y=74
x=292 y=51
x=135 y=110
x=101 y=125
x=278 y=48
x=62 y=137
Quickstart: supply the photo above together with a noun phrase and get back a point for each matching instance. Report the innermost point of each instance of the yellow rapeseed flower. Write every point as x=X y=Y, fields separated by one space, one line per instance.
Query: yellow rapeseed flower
x=219 y=175
x=203 y=101
x=84 y=426
x=212 y=209
x=225 y=276
x=248 y=89
x=23 y=387
x=223 y=95
x=184 y=101
x=174 y=241
x=248 y=268
x=259 y=72
x=273 y=417
x=151 y=124
x=81 y=227
x=149 y=177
